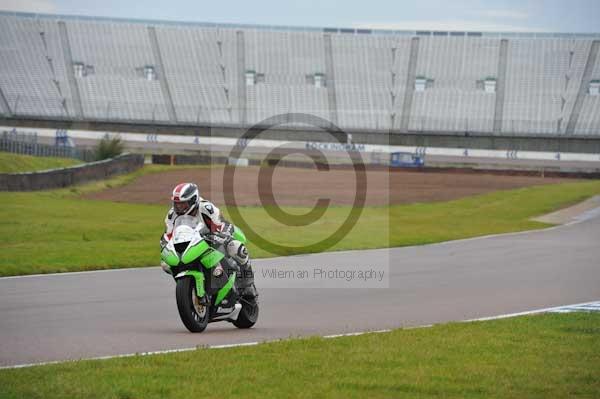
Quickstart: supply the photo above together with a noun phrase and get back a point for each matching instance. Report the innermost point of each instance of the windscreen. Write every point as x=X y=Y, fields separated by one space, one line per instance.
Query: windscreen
x=193 y=222
x=186 y=220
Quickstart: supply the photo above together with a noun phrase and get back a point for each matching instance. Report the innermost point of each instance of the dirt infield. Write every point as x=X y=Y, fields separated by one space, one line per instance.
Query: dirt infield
x=303 y=187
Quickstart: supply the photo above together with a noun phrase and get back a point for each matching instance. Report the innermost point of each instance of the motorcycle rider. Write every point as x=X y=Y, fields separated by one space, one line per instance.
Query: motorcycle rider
x=187 y=201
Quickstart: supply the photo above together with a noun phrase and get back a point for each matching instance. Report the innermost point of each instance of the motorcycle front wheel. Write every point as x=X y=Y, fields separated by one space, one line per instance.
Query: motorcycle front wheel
x=194 y=315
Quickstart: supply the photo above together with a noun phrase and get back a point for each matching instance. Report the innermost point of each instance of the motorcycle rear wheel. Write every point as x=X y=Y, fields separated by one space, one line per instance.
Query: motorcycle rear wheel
x=248 y=315
x=193 y=315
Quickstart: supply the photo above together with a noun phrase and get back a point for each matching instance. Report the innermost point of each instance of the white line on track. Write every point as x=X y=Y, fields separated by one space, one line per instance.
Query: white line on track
x=225 y=346
x=581 y=306
x=531 y=312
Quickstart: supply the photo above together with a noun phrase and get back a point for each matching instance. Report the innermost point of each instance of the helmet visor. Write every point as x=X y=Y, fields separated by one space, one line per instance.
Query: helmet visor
x=181 y=207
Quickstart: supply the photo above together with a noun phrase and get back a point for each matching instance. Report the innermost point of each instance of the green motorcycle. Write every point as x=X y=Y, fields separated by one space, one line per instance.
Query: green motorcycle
x=205 y=277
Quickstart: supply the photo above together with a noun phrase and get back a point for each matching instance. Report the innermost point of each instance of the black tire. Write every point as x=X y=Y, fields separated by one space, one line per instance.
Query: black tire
x=248 y=315
x=193 y=321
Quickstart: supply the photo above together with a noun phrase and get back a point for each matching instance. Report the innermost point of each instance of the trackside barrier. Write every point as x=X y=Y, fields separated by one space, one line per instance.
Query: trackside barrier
x=200 y=143
x=9 y=143
x=57 y=178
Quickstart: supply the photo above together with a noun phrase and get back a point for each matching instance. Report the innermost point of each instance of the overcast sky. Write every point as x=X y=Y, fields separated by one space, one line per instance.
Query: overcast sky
x=481 y=15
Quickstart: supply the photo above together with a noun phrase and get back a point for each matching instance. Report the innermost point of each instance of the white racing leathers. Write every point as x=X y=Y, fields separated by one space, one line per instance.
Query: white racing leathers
x=212 y=218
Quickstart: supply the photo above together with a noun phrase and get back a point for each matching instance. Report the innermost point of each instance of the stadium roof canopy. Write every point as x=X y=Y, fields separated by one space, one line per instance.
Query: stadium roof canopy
x=284 y=28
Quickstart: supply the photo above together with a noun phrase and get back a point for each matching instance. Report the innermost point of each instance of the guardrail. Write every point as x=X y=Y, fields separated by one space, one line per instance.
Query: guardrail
x=58 y=178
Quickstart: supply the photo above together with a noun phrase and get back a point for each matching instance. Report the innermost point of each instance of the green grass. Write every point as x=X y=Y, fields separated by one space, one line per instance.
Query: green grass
x=14 y=163
x=423 y=223
x=56 y=231
x=544 y=356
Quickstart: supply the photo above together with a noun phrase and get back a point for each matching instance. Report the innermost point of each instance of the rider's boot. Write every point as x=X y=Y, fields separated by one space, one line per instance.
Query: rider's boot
x=245 y=281
x=246 y=285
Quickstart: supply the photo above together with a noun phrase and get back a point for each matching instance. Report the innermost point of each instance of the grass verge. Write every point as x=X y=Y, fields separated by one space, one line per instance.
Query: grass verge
x=56 y=231
x=15 y=163
x=543 y=356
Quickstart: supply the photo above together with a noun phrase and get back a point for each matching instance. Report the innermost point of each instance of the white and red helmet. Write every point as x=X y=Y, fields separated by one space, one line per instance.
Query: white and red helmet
x=186 y=198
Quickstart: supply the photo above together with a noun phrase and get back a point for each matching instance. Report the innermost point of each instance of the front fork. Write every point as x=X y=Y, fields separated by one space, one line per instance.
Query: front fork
x=200 y=284
x=198 y=277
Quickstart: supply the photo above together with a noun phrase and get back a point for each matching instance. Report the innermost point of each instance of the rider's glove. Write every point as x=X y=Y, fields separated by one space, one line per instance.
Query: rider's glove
x=219 y=238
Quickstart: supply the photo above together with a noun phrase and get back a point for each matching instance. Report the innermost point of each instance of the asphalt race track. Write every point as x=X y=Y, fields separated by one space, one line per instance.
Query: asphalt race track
x=82 y=315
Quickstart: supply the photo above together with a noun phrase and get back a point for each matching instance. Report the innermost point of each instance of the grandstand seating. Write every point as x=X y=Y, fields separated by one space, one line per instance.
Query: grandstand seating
x=285 y=59
x=366 y=91
x=543 y=78
x=200 y=76
x=200 y=66
x=589 y=120
x=116 y=89
x=32 y=71
x=454 y=102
